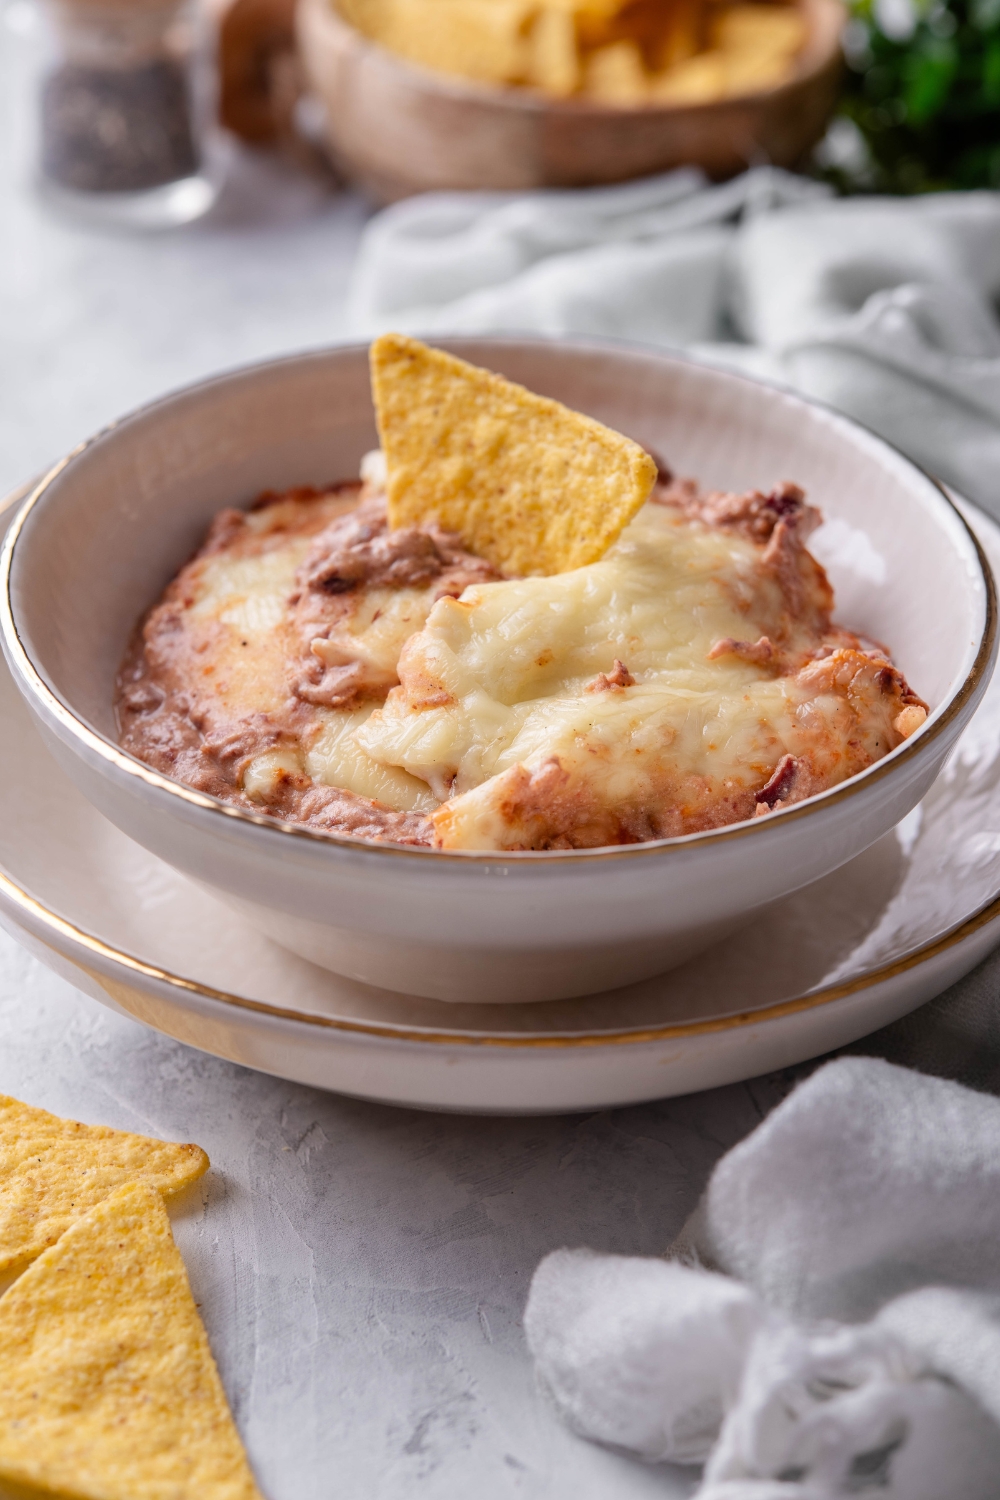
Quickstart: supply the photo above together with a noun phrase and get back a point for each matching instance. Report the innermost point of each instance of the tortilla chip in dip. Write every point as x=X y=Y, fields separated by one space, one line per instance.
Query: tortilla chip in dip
x=526 y=483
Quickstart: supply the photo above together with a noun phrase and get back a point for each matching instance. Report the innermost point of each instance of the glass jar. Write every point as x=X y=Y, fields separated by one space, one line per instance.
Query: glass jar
x=121 y=132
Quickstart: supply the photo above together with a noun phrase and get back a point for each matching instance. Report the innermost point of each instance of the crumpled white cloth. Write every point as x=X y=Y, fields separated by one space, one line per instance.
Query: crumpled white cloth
x=829 y=1322
x=884 y=308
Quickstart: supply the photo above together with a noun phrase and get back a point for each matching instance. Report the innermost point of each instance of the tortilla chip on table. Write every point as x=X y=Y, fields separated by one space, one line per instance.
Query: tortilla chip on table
x=53 y=1170
x=108 y=1387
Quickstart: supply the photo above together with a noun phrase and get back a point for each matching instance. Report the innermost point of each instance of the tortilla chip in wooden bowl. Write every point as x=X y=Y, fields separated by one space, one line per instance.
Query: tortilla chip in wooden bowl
x=517 y=94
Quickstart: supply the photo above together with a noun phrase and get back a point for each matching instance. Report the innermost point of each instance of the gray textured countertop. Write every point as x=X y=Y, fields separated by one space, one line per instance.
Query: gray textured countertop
x=361 y=1270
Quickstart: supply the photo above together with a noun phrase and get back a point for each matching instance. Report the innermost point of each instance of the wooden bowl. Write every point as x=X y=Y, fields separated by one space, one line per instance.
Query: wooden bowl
x=396 y=128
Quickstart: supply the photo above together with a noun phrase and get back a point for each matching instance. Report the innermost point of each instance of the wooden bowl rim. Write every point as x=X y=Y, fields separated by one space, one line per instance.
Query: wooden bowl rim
x=820 y=51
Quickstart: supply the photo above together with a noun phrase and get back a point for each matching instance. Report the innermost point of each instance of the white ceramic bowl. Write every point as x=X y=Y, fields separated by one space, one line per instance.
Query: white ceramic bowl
x=103 y=533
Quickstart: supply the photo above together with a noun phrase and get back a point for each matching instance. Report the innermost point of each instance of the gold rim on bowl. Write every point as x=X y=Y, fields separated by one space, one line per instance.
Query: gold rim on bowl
x=759 y=827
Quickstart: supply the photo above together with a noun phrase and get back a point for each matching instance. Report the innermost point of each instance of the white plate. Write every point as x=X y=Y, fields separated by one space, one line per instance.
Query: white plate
x=833 y=962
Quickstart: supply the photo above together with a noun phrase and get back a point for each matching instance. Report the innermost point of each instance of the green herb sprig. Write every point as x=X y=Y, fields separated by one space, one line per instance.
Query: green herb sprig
x=923 y=90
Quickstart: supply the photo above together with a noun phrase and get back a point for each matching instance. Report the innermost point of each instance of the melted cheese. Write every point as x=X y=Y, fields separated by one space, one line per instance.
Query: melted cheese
x=376 y=630
x=336 y=758
x=241 y=604
x=238 y=619
x=503 y=728
x=248 y=594
x=515 y=662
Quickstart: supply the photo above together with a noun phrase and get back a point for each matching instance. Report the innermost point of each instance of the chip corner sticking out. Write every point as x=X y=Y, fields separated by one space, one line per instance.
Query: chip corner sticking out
x=53 y=1170
x=108 y=1387
x=527 y=483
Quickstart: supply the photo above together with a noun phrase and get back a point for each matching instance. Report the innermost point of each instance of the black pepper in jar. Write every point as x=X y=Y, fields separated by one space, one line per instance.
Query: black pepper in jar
x=117 y=130
x=117 y=109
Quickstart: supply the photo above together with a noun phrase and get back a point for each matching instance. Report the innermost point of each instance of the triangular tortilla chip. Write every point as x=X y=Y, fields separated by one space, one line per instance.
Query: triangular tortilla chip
x=108 y=1388
x=53 y=1170
x=527 y=483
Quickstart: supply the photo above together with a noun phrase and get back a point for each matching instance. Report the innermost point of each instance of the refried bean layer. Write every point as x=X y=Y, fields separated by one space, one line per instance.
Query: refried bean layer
x=691 y=678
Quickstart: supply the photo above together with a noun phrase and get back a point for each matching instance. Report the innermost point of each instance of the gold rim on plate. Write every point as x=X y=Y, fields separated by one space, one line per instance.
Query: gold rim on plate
x=56 y=925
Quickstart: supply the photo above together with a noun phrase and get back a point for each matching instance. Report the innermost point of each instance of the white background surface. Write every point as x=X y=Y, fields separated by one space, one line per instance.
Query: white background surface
x=361 y=1270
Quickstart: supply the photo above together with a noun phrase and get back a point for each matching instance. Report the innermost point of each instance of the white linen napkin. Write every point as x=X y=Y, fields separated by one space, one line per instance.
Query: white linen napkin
x=885 y=308
x=829 y=1322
